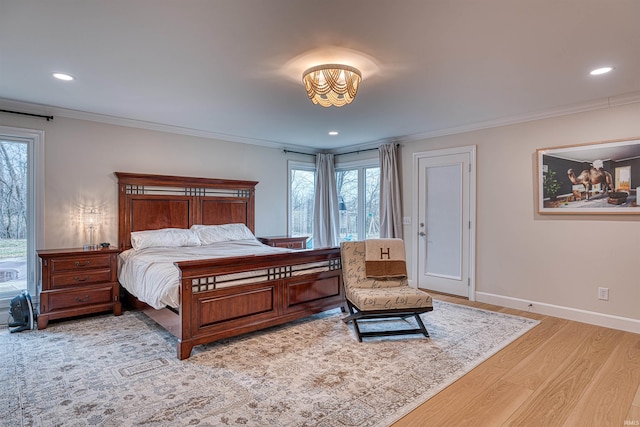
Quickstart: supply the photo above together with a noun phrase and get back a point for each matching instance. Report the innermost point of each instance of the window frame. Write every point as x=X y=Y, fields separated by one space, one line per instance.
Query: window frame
x=296 y=165
x=360 y=166
x=35 y=234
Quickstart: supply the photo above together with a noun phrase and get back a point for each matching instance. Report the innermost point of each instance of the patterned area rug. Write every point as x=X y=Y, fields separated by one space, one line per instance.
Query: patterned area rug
x=122 y=371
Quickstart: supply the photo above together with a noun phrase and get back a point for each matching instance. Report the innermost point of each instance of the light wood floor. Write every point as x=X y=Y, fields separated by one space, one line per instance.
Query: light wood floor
x=561 y=373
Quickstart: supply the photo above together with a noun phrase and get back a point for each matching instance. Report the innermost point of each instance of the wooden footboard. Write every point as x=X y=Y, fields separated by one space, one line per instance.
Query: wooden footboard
x=221 y=298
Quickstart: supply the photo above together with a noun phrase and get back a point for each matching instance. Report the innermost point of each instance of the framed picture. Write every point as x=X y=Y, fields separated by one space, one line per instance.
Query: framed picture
x=596 y=178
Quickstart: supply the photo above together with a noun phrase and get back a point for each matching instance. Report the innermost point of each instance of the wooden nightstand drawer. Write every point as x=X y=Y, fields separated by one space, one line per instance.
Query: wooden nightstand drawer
x=80 y=263
x=77 y=298
x=80 y=278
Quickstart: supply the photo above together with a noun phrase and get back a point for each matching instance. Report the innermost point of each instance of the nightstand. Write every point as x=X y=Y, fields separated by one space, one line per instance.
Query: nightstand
x=298 y=242
x=77 y=282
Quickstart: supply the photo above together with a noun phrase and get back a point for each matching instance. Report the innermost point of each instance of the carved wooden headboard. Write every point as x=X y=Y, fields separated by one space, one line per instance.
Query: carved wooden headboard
x=151 y=202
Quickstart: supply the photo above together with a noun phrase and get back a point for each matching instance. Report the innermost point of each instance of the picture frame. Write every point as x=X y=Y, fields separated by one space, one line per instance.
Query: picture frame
x=592 y=178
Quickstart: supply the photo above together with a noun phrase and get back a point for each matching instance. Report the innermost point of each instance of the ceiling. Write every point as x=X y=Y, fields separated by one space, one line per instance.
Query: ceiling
x=232 y=70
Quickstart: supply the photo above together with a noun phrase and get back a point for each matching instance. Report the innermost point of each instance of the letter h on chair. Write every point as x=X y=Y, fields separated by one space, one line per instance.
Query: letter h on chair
x=369 y=298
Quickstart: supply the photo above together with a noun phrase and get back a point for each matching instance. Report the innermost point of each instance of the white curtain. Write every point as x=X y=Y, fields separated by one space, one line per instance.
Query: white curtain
x=390 y=202
x=325 y=209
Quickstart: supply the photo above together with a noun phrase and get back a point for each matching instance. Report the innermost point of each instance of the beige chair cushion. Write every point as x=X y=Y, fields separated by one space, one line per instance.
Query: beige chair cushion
x=375 y=294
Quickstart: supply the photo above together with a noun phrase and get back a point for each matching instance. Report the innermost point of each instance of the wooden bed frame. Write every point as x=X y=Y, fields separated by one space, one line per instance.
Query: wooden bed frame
x=279 y=287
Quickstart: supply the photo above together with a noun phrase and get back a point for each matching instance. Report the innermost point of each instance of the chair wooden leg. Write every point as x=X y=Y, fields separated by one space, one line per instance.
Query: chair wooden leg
x=352 y=318
x=352 y=313
x=357 y=330
x=421 y=325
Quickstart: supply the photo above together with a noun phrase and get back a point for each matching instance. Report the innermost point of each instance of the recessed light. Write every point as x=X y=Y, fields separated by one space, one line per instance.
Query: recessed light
x=333 y=132
x=64 y=76
x=603 y=70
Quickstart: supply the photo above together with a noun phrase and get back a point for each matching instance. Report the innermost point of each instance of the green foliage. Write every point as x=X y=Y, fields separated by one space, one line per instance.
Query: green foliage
x=550 y=184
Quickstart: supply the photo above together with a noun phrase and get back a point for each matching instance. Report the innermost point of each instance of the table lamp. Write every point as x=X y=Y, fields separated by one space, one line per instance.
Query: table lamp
x=91 y=220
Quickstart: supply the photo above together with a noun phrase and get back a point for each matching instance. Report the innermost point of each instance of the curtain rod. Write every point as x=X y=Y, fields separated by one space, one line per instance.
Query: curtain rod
x=298 y=152
x=338 y=154
x=27 y=114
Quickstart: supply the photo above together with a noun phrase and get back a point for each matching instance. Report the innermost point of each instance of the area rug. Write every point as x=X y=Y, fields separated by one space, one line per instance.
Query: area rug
x=122 y=371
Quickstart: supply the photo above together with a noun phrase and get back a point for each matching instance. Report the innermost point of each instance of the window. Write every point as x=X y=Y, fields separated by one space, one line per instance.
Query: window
x=301 y=199
x=21 y=157
x=358 y=186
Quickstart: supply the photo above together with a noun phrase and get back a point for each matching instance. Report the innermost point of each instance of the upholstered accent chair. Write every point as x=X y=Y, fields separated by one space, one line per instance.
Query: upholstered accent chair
x=374 y=298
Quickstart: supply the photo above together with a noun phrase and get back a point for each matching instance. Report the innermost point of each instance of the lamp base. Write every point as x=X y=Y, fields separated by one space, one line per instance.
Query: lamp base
x=91 y=247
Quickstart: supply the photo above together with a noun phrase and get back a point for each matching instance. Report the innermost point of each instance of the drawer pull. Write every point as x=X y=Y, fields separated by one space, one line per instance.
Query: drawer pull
x=85 y=299
x=84 y=264
x=77 y=279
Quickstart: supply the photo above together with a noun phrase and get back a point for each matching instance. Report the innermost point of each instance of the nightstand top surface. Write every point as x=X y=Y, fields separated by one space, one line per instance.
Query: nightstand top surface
x=76 y=251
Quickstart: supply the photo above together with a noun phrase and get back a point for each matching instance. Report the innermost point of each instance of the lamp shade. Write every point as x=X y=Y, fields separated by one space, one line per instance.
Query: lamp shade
x=90 y=219
x=332 y=84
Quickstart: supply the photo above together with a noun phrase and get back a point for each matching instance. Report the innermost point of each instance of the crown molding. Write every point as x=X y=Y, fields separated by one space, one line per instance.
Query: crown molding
x=613 y=101
x=50 y=110
x=598 y=104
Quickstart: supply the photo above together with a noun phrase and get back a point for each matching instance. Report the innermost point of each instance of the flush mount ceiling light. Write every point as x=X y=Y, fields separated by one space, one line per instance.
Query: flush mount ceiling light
x=603 y=70
x=332 y=84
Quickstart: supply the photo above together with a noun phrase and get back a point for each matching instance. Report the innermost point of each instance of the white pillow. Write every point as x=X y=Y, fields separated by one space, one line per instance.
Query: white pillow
x=165 y=237
x=209 y=234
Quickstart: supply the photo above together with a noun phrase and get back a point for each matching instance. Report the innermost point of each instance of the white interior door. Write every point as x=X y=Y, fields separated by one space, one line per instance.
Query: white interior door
x=445 y=222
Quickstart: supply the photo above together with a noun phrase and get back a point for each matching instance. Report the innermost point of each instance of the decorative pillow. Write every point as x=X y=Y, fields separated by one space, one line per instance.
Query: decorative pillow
x=165 y=237
x=209 y=234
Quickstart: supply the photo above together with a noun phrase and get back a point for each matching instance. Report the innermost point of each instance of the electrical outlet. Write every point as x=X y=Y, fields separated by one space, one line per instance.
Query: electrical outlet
x=603 y=294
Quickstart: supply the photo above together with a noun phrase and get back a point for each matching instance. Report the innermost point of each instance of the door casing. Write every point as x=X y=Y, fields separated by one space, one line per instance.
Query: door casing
x=415 y=241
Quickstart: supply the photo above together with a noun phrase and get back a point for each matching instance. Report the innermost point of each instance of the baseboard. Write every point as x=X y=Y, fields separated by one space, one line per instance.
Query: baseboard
x=591 y=317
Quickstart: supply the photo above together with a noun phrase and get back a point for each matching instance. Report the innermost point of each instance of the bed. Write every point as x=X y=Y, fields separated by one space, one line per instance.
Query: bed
x=224 y=296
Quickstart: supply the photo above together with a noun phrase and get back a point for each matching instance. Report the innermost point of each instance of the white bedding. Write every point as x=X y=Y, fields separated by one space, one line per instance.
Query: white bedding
x=149 y=274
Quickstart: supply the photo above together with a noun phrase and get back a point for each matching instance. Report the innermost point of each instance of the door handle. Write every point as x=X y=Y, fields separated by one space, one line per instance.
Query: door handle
x=422 y=233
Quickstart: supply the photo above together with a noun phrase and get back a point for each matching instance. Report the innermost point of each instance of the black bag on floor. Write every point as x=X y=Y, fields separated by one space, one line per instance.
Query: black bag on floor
x=22 y=316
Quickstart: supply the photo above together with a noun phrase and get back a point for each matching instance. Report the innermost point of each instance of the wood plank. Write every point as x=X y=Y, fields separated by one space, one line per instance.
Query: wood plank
x=536 y=367
x=439 y=408
x=633 y=416
x=610 y=395
x=491 y=407
x=553 y=402
x=561 y=391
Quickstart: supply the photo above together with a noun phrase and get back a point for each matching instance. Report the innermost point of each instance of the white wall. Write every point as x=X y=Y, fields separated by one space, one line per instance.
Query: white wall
x=81 y=156
x=556 y=262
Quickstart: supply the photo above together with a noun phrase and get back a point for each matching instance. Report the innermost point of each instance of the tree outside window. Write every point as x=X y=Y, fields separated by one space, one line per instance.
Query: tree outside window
x=359 y=202
x=301 y=200
x=13 y=215
x=358 y=188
